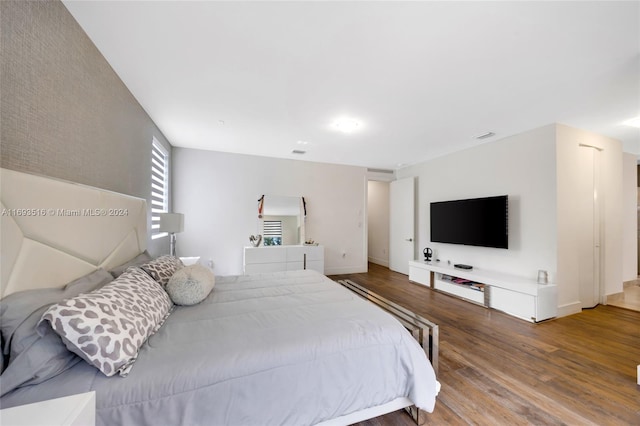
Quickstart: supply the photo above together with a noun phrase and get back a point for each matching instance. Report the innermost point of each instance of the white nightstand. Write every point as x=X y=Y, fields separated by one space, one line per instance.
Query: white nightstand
x=74 y=410
x=186 y=261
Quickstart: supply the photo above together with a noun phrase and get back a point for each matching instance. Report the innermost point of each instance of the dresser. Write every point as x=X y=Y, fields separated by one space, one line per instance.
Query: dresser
x=283 y=258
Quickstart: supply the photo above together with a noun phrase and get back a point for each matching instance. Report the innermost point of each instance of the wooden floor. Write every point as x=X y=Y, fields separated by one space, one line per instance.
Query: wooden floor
x=499 y=370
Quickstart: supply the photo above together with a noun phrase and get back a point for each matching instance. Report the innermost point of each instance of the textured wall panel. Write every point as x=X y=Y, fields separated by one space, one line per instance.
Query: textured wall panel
x=64 y=112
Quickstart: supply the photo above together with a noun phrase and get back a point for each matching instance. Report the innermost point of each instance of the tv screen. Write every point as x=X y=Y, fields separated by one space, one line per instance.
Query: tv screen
x=474 y=222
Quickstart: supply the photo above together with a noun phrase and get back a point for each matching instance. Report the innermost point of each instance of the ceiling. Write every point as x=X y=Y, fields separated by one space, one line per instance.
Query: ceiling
x=422 y=78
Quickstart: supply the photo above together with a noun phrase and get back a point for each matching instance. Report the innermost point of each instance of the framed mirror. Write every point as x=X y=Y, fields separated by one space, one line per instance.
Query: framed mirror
x=282 y=221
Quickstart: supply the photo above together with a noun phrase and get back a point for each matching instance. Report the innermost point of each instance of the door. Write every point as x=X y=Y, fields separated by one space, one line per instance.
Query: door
x=401 y=224
x=588 y=221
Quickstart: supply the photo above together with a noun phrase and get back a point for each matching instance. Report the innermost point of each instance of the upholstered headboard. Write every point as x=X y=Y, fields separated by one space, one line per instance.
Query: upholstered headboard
x=55 y=231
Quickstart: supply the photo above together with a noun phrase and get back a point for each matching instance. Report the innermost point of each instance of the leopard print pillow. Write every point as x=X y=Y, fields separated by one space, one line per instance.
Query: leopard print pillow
x=108 y=326
x=162 y=268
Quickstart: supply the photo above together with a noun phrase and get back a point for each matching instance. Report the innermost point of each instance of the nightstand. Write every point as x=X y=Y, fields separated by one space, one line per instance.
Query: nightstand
x=186 y=261
x=74 y=410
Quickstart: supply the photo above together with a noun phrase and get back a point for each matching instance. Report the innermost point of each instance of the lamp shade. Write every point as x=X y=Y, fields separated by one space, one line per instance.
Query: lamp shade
x=171 y=222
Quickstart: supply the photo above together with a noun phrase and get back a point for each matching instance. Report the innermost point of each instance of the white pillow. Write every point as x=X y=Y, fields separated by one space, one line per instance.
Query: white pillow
x=190 y=285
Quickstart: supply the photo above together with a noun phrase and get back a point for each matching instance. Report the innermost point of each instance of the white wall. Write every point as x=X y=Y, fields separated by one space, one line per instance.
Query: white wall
x=630 y=218
x=218 y=194
x=522 y=167
x=539 y=171
x=570 y=171
x=378 y=222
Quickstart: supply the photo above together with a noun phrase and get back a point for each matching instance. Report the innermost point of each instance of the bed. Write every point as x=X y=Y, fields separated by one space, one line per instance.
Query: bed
x=280 y=348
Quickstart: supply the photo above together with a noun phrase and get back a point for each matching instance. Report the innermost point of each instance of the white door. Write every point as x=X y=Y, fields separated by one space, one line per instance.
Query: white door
x=401 y=224
x=588 y=221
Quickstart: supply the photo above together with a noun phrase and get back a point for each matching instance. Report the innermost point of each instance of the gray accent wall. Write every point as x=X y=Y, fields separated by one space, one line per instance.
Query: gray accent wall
x=64 y=112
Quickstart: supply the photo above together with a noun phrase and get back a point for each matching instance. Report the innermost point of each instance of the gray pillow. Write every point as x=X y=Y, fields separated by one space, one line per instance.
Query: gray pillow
x=190 y=285
x=139 y=260
x=32 y=358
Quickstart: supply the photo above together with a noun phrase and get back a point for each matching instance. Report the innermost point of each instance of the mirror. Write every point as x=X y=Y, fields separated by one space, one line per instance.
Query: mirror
x=282 y=221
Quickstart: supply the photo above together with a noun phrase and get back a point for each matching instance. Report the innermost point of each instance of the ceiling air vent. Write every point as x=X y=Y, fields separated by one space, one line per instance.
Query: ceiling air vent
x=380 y=171
x=298 y=151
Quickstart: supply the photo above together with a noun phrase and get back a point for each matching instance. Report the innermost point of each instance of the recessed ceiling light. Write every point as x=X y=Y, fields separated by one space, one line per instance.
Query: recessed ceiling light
x=485 y=135
x=635 y=122
x=303 y=142
x=347 y=125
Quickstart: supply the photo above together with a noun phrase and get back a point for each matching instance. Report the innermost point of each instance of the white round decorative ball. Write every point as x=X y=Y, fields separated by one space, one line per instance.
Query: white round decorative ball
x=190 y=285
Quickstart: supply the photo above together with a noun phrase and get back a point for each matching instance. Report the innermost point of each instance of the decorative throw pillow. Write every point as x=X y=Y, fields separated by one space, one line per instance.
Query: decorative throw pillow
x=107 y=327
x=162 y=268
x=34 y=358
x=190 y=285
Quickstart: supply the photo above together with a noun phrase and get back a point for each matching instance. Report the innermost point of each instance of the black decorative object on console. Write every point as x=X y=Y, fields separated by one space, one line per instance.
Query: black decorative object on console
x=427 y=254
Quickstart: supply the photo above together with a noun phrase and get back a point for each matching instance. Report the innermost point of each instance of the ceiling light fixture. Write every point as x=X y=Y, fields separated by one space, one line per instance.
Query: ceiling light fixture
x=347 y=125
x=303 y=142
x=298 y=151
x=485 y=135
x=634 y=122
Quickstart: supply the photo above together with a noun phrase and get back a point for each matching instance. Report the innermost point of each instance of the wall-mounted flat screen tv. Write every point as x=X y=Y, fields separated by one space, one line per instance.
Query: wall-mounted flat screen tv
x=474 y=222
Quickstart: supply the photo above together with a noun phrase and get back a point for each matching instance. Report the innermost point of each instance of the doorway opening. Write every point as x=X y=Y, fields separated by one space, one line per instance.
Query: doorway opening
x=378 y=222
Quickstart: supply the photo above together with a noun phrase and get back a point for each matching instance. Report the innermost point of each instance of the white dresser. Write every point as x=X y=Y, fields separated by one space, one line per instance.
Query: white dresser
x=283 y=258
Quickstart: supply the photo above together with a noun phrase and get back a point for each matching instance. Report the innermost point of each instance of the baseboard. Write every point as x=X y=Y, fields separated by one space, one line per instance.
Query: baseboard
x=569 y=309
x=378 y=261
x=345 y=270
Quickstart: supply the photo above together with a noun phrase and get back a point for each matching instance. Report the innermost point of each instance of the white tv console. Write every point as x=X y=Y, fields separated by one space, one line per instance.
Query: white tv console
x=521 y=297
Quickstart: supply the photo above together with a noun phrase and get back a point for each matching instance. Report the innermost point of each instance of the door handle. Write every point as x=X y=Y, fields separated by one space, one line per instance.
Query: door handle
x=409 y=239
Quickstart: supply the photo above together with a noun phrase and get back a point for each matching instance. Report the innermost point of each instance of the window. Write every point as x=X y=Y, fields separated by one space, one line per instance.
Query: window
x=272 y=230
x=159 y=186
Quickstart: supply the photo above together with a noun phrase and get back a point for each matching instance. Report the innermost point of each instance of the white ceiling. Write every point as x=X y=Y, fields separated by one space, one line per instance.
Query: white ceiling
x=424 y=78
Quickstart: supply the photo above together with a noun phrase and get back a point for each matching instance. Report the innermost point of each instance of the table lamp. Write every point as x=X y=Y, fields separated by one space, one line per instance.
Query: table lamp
x=171 y=223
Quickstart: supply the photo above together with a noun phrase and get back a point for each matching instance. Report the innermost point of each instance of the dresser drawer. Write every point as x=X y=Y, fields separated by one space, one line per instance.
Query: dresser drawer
x=283 y=258
x=296 y=254
x=264 y=255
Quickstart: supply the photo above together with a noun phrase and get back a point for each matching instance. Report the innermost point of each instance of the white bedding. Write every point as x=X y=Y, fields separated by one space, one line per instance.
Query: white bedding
x=283 y=348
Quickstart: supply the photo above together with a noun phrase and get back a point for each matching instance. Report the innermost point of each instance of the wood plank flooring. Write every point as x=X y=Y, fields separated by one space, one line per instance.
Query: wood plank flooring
x=499 y=370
